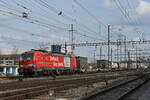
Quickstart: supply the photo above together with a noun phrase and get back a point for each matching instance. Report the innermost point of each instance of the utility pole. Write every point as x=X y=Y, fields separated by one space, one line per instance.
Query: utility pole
x=136 y=59
x=72 y=38
x=95 y=56
x=106 y=81
x=120 y=41
x=128 y=59
x=117 y=51
x=139 y=59
x=65 y=48
x=108 y=43
x=101 y=53
x=111 y=57
x=125 y=48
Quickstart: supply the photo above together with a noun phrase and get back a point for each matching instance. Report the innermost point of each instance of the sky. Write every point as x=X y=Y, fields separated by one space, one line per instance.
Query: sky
x=44 y=25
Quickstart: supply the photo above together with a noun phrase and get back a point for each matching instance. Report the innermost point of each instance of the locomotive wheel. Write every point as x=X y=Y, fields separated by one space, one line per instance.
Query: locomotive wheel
x=53 y=74
x=57 y=72
x=26 y=74
x=35 y=73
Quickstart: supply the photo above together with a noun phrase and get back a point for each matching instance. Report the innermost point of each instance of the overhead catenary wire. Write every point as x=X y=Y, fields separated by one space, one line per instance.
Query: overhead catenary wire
x=23 y=40
x=85 y=31
x=22 y=6
x=41 y=19
x=55 y=10
x=38 y=21
x=126 y=18
x=131 y=5
x=78 y=32
x=10 y=7
x=30 y=18
x=89 y=13
x=35 y=5
x=24 y=31
x=127 y=13
x=33 y=21
x=123 y=12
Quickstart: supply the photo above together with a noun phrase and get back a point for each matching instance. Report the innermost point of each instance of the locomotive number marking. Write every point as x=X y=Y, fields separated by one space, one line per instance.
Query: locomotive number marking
x=58 y=64
x=52 y=58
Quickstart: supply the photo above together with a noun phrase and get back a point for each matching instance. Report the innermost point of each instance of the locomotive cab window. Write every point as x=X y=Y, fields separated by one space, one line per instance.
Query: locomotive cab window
x=28 y=56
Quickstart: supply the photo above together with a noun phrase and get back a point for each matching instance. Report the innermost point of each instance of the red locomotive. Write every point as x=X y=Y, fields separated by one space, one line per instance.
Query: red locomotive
x=40 y=62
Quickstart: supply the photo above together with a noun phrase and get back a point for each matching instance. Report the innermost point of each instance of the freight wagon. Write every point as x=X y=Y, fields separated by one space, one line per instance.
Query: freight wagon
x=82 y=63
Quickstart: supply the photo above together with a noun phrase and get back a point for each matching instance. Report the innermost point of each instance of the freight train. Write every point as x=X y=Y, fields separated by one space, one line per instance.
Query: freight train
x=41 y=62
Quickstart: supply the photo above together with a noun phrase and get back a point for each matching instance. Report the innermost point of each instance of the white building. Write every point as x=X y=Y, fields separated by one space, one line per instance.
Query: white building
x=9 y=64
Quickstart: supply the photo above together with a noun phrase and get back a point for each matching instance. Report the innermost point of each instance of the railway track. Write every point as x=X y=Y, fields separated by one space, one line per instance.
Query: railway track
x=118 y=91
x=41 y=82
x=31 y=92
x=91 y=73
x=29 y=89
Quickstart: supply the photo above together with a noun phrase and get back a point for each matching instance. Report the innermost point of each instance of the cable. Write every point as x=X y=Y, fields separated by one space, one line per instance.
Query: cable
x=77 y=32
x=16 y=29
x=8 y=7
x=10 y=38
x=89 y=12
x=34 y=21
x=90 y=33
x=138 y=19
x=129 y=17
x=118 y=6
x=63 y=15
x=22 y=6
x=131 y=7
x=43 y=10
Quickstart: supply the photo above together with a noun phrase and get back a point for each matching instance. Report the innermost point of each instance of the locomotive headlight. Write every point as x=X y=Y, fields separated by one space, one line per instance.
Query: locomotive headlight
x=21 y=65
x=32 y=64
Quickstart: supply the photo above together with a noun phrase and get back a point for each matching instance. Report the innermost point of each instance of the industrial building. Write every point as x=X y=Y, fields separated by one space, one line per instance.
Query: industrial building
x=9 y=64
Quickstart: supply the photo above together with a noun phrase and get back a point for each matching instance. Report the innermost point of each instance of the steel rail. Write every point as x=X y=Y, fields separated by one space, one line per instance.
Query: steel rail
x=27 y=84
x=110 y=91
x=132 y=90
x=35 y=91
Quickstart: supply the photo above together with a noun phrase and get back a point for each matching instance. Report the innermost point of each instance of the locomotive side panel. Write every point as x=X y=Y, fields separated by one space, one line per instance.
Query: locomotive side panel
x=48 y=61
x=73 y=63
x=38 y=59
x=56 y=61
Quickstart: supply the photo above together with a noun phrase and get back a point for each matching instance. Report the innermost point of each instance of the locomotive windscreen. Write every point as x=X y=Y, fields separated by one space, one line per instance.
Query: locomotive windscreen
x=27 y=56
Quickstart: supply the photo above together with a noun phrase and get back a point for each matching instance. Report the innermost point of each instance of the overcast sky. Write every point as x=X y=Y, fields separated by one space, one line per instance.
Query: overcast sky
x=44 y=25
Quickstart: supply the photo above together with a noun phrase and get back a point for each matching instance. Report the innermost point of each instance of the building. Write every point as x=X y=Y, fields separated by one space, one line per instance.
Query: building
x=9 y=64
